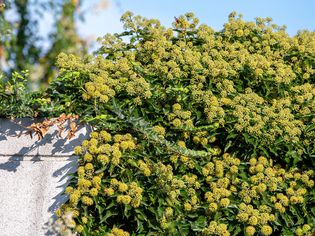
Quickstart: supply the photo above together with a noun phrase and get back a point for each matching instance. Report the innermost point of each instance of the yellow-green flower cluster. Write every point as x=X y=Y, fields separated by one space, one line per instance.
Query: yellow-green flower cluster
x=215 y=228
x=144 y=168
x=179 y=117
x=202 y=137
x=169 y=183
x=304 y=230
x=129 y=194
x=98 y=88
x=118 y=232
x=185 y=160
x=160 y=130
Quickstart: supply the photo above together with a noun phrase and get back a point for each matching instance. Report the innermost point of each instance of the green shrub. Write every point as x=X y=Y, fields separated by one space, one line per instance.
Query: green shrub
x=198 y=132
x=128 y=181
x=16 y=99
x=252 y=79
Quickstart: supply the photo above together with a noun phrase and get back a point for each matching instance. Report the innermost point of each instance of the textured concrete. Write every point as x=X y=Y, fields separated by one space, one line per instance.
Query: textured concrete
x=33 y=174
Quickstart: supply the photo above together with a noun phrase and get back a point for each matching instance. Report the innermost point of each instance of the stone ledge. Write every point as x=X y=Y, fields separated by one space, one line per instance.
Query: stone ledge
x=51 y=145
x=33 y=176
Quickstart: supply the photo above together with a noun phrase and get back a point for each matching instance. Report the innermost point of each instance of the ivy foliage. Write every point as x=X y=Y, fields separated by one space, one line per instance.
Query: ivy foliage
x=250 y=86
x=198 y=132
x=15 y=100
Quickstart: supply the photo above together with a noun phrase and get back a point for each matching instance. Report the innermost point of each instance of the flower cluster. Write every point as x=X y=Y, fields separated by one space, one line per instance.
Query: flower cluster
x=118 y=232
x=179 y=117
x=129 y=193
x=216 y=229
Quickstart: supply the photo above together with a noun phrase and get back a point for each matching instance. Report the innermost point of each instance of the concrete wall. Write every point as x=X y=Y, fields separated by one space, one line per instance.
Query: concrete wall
x=33 y=175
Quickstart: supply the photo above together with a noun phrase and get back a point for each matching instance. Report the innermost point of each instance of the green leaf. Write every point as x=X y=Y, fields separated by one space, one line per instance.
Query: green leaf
x=107 y=215
x=199 y=224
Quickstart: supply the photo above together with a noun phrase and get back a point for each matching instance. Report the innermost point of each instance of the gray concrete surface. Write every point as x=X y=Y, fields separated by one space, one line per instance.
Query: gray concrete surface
x=33 y=175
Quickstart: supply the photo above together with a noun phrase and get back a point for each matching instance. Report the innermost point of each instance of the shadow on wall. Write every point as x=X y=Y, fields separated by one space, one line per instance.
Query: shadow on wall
x=17 y=145
x=9 y=143
x=52 y=156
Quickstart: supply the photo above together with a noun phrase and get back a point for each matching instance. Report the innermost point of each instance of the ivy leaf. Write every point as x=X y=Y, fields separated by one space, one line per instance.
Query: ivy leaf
x=199 y=224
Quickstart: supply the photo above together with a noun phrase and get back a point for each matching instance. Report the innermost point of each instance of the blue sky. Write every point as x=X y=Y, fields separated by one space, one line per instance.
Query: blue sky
x=295 y=14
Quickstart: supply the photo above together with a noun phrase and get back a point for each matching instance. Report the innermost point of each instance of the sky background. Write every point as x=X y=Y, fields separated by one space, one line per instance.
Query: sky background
x=295 y=14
